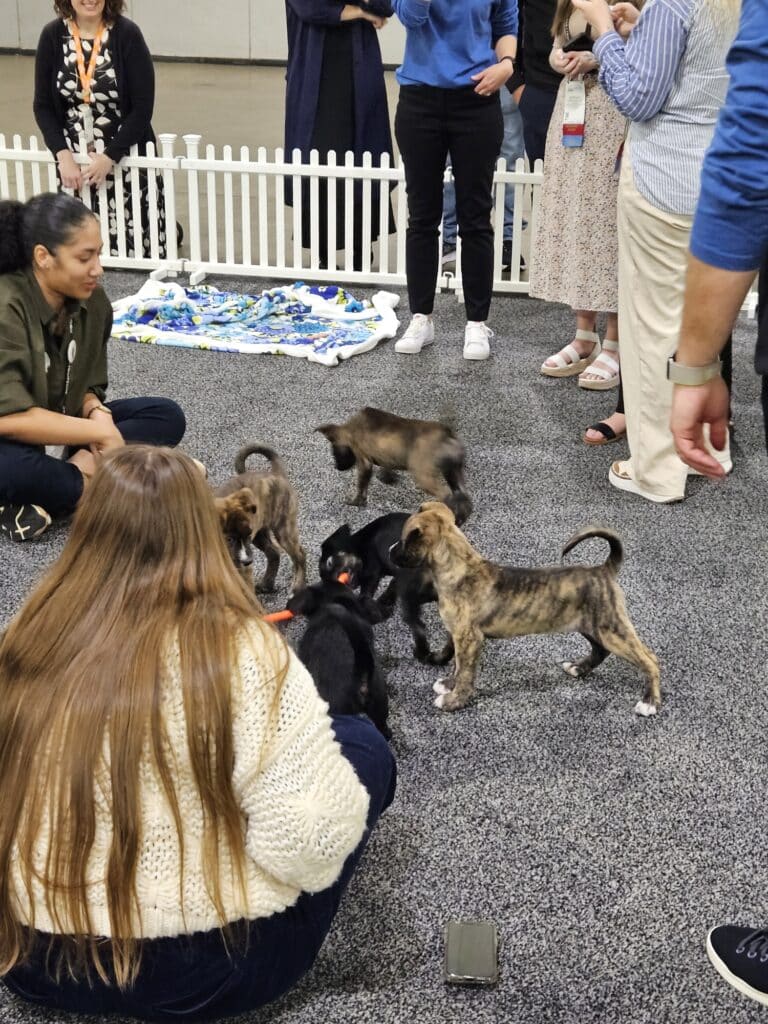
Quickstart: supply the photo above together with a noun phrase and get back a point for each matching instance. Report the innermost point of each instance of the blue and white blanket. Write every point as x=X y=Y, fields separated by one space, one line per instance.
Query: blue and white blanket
x=321 y=323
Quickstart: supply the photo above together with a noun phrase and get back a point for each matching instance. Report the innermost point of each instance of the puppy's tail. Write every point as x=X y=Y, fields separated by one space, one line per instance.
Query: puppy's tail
x=616 y=555
x=259 y=449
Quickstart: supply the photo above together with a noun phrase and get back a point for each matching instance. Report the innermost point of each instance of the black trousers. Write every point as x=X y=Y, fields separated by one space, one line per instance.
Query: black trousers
x=29 y=476
x=431 y=123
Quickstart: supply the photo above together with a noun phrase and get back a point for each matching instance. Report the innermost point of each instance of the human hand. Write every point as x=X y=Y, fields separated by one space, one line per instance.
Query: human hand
x=579 y=63
x=69 y=171
x=597 y=13
x=692 y=407
x=97 y=170
x=557 y=60
x=493 y=78
x=351 y=12
x=624 y=18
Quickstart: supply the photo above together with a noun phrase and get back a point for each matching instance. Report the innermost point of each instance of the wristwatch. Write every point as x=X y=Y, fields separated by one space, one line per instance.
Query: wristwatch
x=692 y=375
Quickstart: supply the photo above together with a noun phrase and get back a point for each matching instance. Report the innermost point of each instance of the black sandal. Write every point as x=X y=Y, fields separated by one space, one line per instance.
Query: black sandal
x=609 y=434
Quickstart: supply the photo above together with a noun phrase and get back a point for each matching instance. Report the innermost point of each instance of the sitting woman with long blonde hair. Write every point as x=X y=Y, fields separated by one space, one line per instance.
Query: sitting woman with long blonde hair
x=180 y=814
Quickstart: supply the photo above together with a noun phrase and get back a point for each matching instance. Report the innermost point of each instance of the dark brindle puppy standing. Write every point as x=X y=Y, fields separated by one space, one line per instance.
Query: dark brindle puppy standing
x=428 y=450
x=478 y=599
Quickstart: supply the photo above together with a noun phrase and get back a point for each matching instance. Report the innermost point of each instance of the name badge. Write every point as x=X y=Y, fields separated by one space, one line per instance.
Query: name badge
x=574 y=113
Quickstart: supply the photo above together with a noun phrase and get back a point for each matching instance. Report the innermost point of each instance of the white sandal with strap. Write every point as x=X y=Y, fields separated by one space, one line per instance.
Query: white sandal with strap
x=605 y=368
x=569 y=361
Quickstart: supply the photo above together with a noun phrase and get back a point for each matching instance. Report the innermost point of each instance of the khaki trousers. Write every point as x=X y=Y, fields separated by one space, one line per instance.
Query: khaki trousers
x=653 y=248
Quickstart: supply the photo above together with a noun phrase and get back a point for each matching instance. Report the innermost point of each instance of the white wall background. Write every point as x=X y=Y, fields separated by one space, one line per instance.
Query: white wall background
x=227 y=29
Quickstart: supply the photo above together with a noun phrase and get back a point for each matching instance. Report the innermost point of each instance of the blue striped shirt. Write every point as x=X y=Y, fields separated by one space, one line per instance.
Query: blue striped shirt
x=448 y=41
x=669 y=79
x=731 y=226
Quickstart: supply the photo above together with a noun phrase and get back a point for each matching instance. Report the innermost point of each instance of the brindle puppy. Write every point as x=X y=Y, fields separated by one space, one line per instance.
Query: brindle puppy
x=478 y=599
x=428 y=450
x=260 y=509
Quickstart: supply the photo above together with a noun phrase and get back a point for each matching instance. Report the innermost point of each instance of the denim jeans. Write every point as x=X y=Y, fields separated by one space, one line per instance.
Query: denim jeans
x=30 y=477
x=512 y=149
x=193 y=977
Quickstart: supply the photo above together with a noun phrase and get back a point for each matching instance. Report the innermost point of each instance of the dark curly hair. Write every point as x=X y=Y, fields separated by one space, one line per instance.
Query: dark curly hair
x=49 y=219
x=112 y=9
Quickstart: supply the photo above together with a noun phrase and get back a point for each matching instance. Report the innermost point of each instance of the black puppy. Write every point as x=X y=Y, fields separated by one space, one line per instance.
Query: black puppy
x=338 y=650
x=365 y=555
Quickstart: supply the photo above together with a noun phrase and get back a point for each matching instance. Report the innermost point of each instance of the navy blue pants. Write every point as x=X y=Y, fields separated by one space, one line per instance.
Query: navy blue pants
x=30 y=477
x=191 y=978
x=536 y=106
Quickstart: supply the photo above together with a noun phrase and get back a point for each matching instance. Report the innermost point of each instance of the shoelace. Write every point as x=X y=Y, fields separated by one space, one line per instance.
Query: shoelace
x=755 y=944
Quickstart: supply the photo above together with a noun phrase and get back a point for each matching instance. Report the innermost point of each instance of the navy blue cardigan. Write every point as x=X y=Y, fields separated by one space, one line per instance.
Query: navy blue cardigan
x=135 y=78
x=308 y=22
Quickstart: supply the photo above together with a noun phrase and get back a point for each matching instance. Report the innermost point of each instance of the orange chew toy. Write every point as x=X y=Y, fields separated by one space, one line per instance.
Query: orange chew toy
x=284 y=615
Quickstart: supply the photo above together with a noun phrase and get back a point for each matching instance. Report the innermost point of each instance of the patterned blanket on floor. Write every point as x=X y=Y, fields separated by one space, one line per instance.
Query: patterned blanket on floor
x=321 y=323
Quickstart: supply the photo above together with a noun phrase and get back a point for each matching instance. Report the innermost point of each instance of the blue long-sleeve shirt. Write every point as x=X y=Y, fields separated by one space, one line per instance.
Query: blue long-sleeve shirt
x=448 y=41
x=730 y=230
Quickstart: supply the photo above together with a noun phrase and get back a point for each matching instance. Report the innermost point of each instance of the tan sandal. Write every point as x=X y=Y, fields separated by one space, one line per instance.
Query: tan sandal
x=568 y=361
x=606 y=369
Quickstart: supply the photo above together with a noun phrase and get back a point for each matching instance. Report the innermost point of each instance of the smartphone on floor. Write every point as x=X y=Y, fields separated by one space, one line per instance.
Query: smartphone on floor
x=471 y=953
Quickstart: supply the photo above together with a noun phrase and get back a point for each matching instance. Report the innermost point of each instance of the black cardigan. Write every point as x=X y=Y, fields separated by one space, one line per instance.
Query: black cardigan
x=534 y=43
x=135 y=78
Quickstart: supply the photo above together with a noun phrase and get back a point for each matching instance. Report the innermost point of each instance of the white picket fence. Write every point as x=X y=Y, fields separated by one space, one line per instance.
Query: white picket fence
x=236 y=222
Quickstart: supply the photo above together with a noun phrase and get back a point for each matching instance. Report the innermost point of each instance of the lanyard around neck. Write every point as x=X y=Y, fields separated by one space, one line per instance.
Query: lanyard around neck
x=86 y=77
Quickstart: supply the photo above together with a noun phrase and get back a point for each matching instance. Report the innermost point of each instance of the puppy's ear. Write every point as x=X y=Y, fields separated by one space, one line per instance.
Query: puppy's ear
x=412 y=536
x=328 y=430
x=246 y=500
x=343 y=533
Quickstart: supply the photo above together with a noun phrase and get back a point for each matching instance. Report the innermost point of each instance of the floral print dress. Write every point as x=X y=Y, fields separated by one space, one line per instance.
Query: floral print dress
x=103 y=125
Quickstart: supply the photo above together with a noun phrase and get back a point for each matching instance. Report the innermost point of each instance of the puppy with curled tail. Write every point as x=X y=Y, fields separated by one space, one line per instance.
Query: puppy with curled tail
x=480 y=600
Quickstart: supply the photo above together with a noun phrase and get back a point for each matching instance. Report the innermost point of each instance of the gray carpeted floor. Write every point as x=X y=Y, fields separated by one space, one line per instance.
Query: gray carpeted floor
x=603 y=845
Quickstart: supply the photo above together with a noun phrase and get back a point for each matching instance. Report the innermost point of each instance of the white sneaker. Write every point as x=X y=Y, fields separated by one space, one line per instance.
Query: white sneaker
x=420 y=332
x=477 y=337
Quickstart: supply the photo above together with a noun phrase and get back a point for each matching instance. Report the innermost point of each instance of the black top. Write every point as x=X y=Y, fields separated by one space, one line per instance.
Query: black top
x=534 y=44
x=135 y=77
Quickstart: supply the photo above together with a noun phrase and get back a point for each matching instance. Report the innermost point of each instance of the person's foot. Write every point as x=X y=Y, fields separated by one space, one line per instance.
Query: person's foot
x=419 y=333
x=610 y=429
x=477 y=337
x=574 y=357
x=23 y=522
x=620 y=476
x=604 y=373
x=506 y=256
x=740 y=956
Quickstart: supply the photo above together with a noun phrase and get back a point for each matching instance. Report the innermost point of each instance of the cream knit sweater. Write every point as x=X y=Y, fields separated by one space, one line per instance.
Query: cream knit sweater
x=304 y=810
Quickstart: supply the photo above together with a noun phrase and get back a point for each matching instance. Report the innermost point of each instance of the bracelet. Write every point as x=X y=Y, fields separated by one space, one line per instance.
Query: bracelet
x=510 y=59
x=100 y=408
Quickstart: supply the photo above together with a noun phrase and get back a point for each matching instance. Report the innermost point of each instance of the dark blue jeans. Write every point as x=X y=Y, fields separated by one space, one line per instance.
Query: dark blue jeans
x=192 y=978
x=536 y=106
x=30 y=477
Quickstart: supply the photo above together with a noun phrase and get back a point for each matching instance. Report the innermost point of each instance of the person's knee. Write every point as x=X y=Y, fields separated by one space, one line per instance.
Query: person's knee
x=371 y=757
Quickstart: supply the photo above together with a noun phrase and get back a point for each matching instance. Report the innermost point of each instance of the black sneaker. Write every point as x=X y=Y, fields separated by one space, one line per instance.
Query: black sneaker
x=23 y=522
x=506 y=256
x=740 y=955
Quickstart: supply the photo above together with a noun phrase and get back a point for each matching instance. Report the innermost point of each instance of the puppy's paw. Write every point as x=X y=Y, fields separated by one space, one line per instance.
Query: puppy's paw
x=451 y=701
x=572 y=669
x=265 y=587
x=441 y=687
x=356 y=500
x=645 y=709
